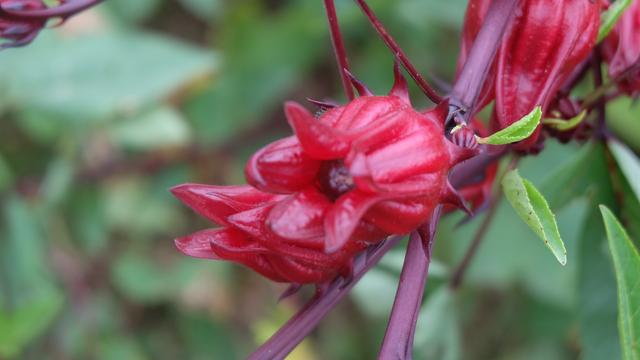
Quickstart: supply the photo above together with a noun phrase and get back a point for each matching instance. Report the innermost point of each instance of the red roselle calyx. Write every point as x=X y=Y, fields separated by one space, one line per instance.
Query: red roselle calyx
x=22 y=20
x=545 y=42
x=621 y=50
x=347 y=179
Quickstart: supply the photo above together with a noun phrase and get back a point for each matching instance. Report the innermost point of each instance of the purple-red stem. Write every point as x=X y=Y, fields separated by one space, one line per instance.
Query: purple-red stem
x=458 y=274
x=398 y=339
x=307 y=318
x=338 y=48
x=64 y=10
x=474 y=72
x=400 y=55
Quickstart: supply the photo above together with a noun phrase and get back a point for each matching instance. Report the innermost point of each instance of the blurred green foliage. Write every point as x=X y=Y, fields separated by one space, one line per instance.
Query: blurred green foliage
x=102 y=115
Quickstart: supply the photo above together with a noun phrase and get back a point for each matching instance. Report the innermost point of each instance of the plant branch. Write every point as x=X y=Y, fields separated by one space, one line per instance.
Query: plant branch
x=398 y=339
x=338 y=48
x=301 y=324
x=64 y=10
x=400 y=55
x=458 y=274
x=475 y=70
x=601 y=105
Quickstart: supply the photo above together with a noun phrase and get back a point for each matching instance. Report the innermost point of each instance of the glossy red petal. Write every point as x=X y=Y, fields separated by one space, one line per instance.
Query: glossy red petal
x=299 y=218
x=197 y=245
x=281 y=167
x=318 y=139
x=548 y=39
x=344 y=216
x=401 y=216
x=216 y=203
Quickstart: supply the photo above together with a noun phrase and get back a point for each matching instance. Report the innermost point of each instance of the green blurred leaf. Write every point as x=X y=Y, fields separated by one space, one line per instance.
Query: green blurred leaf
x=20 y=326
x=517 y=131
x=6 y=175
x=622 y=117
x=438 y=334
x=627 y=264
x=287 y=45
x=609 y=18
x=158 y=128
x=597 y=310
x=203 y=9
x=132 y=10
x=535 y=212
x=120 y=347
x=137 y=277
x=565 y=125
x=629 y=164
x=99 y=75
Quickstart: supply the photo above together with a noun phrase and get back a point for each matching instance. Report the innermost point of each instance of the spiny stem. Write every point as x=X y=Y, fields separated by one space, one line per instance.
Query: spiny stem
x=338 y=47
x=64 y=10
x=400 y=55
x=475 y=70
x=307 y=318
x=458 y=274
x=398 y=339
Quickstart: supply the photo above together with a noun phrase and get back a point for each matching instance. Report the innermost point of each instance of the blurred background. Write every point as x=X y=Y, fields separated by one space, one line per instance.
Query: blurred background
x=100 y=117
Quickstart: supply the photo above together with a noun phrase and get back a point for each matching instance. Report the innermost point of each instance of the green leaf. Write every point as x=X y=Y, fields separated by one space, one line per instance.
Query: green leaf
x=18 y=328
x=6 y=175
x=610 y=17
x=101 y=75
x=534 y=210
x=629 y=164
x=161 y=127
x=565 y=125
x=438 y=333
x=517 y=131
x=626 y=261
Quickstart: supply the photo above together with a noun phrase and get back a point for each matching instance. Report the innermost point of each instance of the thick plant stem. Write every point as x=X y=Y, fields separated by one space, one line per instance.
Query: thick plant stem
x=64 y=10
x=475 y=70
x=301 y=324
x=398 y=339
x=338 y=48
x=458 y=274
x=400 y=55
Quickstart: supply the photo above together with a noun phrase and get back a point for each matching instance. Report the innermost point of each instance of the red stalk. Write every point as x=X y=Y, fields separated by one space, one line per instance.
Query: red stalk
x=400 y=55
x=338 y=48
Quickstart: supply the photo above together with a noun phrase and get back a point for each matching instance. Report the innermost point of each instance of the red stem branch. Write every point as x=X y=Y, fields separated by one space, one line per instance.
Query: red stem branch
x=338 y=48
x=474 y=72
x=400 y=55
x=307 y=318
x=398 y=339
x=64 y=10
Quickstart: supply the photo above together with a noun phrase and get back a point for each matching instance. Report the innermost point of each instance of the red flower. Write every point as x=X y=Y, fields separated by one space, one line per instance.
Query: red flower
x=546 y=41
x=621 y=49
x=347 y=179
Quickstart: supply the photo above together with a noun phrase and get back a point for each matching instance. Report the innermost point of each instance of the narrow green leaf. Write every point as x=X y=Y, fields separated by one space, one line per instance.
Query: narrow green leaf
x=626 y=261
x=517 y=131
x=565 y=125
x=534 y=210
x=609 y=18
x=629 y=164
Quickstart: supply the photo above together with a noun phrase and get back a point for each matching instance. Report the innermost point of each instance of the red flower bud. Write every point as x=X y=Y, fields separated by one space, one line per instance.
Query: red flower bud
x=547 y=40
x=347 y=179
x=621 y=50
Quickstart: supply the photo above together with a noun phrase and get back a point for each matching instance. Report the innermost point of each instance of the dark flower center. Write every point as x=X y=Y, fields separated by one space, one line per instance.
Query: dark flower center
x=334 y=179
